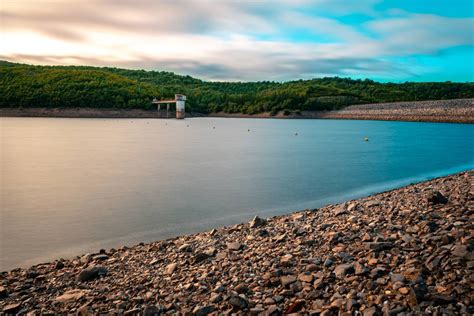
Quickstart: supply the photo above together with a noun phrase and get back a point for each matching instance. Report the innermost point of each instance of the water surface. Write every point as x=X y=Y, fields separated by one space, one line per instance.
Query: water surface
x=70 y=186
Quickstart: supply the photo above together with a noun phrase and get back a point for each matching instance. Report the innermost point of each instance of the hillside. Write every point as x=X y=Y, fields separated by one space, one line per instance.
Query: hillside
x=29 y=86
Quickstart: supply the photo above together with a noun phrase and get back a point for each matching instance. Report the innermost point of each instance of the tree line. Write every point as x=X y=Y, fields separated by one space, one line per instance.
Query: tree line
x=104 y=87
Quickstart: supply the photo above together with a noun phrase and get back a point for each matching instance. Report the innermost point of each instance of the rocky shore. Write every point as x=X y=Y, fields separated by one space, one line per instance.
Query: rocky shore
x=440 y=111
x=404 y=252
x=452 y=111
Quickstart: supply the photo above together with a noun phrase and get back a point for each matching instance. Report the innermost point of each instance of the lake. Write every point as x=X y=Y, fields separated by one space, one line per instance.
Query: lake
x=72 y=186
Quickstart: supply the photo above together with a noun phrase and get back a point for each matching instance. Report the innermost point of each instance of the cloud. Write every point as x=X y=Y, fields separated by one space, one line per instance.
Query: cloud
x=228 y=40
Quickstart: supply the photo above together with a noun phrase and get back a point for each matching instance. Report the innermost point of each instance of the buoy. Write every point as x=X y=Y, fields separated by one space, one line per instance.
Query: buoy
x=248 y=130
x=296 y=134
x=366 y=139
x=214 y=127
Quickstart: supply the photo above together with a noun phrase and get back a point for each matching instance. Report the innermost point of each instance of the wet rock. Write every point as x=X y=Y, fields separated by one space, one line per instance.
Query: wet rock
x=91 y=273
x=257 y=222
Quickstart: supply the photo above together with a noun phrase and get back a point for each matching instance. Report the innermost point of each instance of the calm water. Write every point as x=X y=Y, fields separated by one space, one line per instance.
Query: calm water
x=70 y=186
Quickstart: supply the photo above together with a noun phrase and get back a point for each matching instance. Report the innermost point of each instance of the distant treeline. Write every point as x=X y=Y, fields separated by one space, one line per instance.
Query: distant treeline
x=80 y=86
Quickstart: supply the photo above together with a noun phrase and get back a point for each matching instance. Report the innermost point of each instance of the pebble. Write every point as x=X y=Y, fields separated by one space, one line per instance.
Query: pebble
x=397 y=252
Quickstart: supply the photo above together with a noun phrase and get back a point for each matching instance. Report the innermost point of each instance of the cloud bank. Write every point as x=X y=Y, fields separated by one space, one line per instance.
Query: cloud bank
x=237 y=40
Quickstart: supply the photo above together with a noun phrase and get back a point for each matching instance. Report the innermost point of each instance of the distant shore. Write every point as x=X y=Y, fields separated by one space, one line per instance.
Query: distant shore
x=408 y=250
x=450 y=111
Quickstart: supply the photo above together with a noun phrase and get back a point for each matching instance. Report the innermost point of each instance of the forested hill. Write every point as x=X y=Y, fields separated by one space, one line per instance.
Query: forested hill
x=82 y=86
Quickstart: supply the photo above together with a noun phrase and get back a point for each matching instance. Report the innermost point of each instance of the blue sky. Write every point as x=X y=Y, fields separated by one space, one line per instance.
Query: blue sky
x=405 y=40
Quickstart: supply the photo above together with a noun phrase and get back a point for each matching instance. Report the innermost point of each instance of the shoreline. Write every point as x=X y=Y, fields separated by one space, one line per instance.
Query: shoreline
x=441 y=111
x=402 y=246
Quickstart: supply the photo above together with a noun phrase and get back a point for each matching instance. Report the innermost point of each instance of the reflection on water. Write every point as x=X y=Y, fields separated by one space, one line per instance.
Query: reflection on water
x=70 y=186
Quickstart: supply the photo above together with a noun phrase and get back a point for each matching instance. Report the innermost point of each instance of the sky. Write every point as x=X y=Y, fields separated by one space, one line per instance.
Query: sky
x=248 y=40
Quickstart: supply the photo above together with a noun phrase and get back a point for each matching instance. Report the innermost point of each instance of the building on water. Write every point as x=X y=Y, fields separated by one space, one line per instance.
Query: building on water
x=179 y=99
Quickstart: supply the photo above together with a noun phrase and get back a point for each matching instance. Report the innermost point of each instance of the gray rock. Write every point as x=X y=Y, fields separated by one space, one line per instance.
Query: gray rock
x=234 y=246
x=287 y=280
x=201 y=311
x=257 y=222
x=344 y=269
x=238 y=302
x=91 y=273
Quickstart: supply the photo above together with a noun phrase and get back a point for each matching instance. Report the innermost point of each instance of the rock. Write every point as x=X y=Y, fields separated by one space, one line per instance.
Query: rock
x=344 y=269
x=200 y=256
x=59 y=265
x=185 y=248
x=295 y=306
x=404 y=290
x=379 y=246
x=170 y=268
x=372 y=203
x=460 y=251
x=257 y=222
x=234 y=246
x=11 y=308
x=241 y=288
x=200 y=311
x=91 y=273
x=70 y=296
x=305 y=277
x=215 y=298
x=311 y=267
x=100 y=257
x=287 y=280
x=238 y=302
x=436 y=197
x=371 y=311
x=152 y=311
x=3 y=292
x=340 y=210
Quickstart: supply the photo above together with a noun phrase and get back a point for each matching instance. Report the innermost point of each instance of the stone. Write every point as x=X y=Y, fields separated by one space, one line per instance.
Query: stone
x=11 y=308
x=340 y=210
x=3 y=292
x=185 y=248
x=199 y=257
x=70 y=296
x=404 y=290
x=344 y=269
x=91 y=273
x=257 y=222
x=436 y=197
x=100 y=257
x=238 y=302
x=205 y=310
x=234 y=246
x=287 y=280
x=215 y=298
x=152 y=310
x=305 y=277
x=59 y=265
x=170 y=268
x=371 y=311
x=460 y=251
x=379 y=246
x=241 y=288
